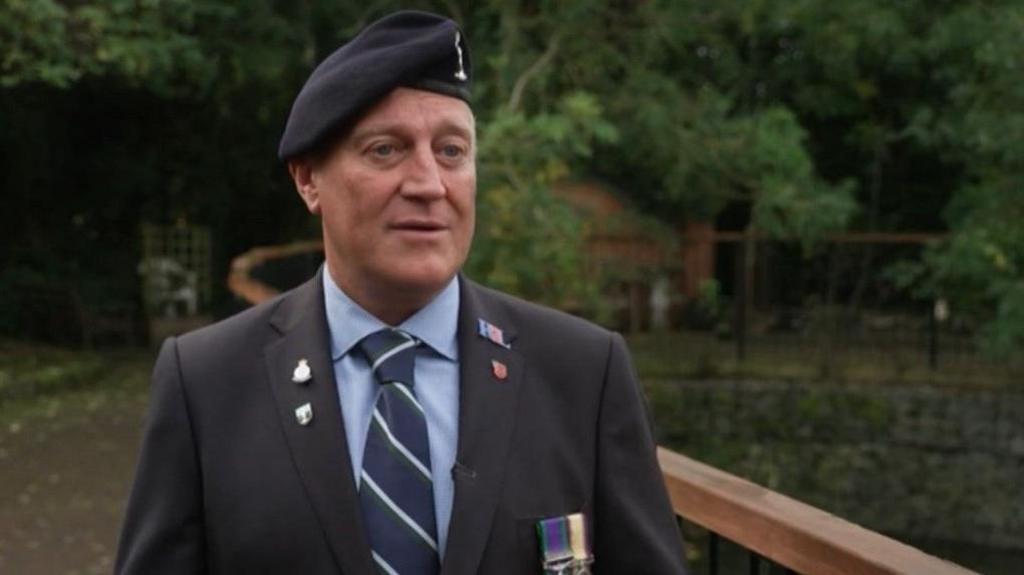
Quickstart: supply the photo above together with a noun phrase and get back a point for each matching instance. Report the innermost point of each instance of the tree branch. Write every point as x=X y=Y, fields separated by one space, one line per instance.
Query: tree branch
x=529 y=73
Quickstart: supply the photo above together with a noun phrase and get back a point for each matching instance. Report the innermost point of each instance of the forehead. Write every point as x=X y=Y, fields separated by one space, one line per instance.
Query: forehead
x=406 y=109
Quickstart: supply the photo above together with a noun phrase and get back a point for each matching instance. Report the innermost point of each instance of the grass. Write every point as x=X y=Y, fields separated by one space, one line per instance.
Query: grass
x=29 y=372
x=38 y=381
x=800 y=358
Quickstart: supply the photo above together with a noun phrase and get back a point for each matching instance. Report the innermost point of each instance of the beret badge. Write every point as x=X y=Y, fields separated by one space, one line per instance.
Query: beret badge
x=460 y=74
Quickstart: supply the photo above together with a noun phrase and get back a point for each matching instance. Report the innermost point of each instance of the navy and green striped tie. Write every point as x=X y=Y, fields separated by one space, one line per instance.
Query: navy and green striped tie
x=396 y=493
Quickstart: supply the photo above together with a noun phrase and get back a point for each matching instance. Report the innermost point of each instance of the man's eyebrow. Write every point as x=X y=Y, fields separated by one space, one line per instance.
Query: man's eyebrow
x=359 y=136
x=445 y=128
x=452 y=127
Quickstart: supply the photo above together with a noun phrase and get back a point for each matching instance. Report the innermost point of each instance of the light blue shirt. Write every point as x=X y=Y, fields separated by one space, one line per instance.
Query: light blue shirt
x=437 y=382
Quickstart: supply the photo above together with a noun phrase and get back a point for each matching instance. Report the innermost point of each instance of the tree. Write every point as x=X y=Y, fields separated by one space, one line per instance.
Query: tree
x=976 y=51
x=698 y=137
x=813 y=116
x=528 y=241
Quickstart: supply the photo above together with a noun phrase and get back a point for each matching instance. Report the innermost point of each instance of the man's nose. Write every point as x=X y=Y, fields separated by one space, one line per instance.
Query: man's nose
x=423 y=178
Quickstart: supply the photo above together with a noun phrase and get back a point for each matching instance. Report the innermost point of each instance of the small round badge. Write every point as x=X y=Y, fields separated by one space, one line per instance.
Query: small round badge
x=302 y=373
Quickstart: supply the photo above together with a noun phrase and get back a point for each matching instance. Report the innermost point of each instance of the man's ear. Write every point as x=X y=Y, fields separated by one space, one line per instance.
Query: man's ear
x=302 y=174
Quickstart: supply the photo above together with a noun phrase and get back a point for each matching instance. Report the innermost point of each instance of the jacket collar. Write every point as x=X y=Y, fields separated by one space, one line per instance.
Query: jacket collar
x=319 y=448
x=488 y=401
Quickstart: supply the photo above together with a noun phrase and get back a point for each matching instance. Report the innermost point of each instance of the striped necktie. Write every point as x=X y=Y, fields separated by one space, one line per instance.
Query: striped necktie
x=396 y=493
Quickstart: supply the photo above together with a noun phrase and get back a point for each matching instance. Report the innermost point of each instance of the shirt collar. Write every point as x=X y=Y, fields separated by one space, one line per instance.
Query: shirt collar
x=434 y=324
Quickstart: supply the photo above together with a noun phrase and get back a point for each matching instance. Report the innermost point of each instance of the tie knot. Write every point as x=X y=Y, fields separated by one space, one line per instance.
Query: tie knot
x=391 y=354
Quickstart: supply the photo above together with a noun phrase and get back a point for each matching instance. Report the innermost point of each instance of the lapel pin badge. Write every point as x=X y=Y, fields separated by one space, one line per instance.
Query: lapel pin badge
x=491 y=333
x=302 y=372
x=499 y=369
x=304 y=414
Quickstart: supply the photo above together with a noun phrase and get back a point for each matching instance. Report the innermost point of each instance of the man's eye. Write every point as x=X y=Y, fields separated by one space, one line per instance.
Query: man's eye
x=451 y=151
x=382 y=150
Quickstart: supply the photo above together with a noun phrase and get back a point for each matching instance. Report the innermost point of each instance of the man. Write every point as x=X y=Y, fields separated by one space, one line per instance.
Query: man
x=391 y=416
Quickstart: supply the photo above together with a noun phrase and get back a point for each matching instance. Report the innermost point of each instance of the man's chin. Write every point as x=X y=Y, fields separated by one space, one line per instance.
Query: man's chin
x=419 y=281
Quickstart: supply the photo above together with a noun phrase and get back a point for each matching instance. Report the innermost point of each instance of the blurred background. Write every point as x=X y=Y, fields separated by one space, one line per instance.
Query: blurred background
x=806 y=216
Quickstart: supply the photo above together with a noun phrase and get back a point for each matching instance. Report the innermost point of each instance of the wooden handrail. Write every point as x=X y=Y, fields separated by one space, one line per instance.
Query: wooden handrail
x=788 y=532
x=243 y=285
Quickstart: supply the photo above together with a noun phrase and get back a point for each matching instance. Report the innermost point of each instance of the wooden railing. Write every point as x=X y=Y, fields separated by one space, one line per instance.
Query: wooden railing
x=242 y=284
x=792 y=534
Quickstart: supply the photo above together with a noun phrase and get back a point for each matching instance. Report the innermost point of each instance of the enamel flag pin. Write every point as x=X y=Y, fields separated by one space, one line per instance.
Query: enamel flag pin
x=492 y=333
x=304 y=414
x=302 y=372
x=500 y=370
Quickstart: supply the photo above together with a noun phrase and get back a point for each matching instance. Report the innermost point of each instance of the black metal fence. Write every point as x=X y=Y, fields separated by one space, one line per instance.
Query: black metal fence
x=840 y=309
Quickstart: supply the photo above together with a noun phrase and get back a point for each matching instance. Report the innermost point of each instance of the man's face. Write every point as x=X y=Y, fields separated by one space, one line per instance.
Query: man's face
x=397 y=197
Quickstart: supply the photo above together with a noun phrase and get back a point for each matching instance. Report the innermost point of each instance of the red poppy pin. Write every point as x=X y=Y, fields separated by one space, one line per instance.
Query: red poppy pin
x=499 y=369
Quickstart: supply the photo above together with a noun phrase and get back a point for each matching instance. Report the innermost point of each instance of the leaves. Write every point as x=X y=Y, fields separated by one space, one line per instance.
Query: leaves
x=804 y=117
x=528 y=241
x=35 y=46
x=171 y=47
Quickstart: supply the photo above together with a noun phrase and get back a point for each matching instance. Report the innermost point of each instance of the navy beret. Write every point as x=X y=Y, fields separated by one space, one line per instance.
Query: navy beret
x=409 y=48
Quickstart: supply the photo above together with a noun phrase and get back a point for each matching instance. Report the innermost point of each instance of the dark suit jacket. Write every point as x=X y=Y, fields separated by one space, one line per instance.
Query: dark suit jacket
x=228 y=481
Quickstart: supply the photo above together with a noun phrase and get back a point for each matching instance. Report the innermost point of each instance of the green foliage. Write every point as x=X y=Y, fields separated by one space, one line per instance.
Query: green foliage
x=147 y=43
x=703 y=148
x=791 y=118
x=35 y=44
x=980 y=268
x=528 y=241
x=709 y=297
x=790 y=201
x=34 y=371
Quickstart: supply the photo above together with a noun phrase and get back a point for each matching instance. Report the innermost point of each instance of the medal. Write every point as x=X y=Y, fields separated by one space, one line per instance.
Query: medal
x=565 y=545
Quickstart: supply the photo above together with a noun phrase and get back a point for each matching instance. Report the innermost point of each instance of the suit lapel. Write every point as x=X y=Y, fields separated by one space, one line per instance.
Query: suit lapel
x=487 y=407
x=319 y=448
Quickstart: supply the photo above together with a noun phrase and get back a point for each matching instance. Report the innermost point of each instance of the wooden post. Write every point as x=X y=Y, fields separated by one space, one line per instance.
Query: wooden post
x=933 y=339
x=740 y=312
x=746 y=258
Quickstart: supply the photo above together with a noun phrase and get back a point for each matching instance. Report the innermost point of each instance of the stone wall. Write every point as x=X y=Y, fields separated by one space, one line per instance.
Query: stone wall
x=918 y=462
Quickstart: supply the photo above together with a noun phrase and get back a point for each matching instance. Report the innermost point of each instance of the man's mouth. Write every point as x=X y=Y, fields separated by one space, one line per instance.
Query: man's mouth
x=416 y=225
